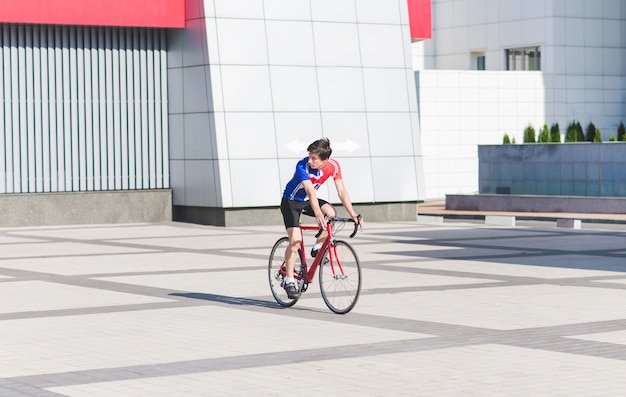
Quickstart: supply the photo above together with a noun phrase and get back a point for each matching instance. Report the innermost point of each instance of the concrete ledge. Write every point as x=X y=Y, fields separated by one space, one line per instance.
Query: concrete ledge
x=377 y=212
x=521 y=203
x=429 y=219
x=500 y=220
x=77 y=208
x=569 y=223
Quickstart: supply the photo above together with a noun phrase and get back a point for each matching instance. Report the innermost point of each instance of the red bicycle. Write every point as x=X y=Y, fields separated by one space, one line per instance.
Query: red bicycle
x=340 y=271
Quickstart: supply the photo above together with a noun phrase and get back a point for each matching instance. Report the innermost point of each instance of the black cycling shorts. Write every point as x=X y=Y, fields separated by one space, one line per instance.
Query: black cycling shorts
x=292 y=210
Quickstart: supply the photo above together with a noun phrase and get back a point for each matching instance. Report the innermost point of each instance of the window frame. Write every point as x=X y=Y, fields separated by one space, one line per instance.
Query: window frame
x=523 y=58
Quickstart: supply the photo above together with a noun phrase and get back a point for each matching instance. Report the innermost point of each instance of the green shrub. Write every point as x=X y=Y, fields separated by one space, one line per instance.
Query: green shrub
x=591 y=132
x=555 y=133
x=544 y=135
x=613 y=138
x=597 y=136
x=570 y=134
x=579 y=132
x=529 y=134
x=574 y=133
x=506 y=140
x=621 y=132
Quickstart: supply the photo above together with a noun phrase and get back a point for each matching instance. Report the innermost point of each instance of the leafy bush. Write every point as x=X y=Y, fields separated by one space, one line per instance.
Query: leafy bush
x=544 y=135
x=529 y=134
x=555 y=133
x=621 y=132
x=506 y=140
x=613 y=138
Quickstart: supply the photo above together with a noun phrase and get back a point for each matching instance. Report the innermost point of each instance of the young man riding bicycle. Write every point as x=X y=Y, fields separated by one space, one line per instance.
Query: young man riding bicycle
x=299 y=197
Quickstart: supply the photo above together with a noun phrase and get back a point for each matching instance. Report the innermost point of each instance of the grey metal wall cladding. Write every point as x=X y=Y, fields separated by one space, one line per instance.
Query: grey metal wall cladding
x=83 y=109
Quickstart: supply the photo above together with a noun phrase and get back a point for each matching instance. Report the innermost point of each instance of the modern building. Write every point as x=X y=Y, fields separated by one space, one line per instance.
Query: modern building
x=253 y=82
x=197 y=110
x=123 y=110
x=494 y=67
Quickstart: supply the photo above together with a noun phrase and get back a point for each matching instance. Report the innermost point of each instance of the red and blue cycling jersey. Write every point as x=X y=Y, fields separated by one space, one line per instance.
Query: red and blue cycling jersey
x=295 y=190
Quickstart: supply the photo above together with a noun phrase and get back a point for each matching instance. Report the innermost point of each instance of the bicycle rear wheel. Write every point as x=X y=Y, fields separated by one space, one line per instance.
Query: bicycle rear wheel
x=340 y=281
x=276 y=272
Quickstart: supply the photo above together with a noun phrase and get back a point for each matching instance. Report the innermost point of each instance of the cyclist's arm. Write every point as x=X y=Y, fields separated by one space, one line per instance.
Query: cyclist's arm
x=345 y=199
x=315 y=205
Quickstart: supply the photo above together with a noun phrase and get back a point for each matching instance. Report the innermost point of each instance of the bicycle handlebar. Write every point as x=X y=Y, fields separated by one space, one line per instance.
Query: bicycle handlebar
x=339 y=219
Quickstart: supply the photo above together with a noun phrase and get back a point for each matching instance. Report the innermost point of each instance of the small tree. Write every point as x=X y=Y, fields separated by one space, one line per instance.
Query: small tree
x=621 y=132
x=591 y=132
x=555 y=133
x=544 y=135
x=580 y=135
x=597 y=135
x=574 y=132
x=613 y=138
x=571 y=135
x=506 y=140
x=529 y=134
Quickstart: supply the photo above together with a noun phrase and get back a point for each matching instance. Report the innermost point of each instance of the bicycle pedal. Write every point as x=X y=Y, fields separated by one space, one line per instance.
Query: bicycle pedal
x=302 y=281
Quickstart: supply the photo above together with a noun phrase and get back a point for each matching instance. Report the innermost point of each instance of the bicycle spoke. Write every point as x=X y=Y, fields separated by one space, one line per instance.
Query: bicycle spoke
x=340 y=278
x=276 y=272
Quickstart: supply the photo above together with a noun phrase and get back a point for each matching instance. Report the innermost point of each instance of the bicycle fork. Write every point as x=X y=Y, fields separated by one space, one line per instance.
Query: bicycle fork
x=335 y=264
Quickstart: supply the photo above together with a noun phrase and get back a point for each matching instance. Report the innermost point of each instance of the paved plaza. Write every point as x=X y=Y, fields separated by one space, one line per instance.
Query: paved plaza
x=449 y=309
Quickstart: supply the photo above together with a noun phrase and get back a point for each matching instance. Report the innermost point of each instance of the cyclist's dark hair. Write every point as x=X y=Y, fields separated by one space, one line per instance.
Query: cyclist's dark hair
x=321 y=147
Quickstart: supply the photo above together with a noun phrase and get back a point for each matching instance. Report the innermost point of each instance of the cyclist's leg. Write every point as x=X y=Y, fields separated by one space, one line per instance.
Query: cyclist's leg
x=291 y=254
x=291 y=216
x=328 y=210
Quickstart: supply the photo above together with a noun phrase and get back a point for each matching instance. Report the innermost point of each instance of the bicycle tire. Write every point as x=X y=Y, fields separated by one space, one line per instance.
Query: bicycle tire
x=276 y=274
x=341 y=291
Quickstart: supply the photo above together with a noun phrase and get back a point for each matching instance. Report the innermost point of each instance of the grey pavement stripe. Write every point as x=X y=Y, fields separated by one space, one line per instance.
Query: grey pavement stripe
x=12 y=388
x=91 y=310
x=86 y=281
x=237 y=362
x=513 y=338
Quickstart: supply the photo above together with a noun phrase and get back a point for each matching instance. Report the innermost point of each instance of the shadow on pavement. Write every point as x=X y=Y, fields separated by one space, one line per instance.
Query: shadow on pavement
x=231 y=300
x=547 y=247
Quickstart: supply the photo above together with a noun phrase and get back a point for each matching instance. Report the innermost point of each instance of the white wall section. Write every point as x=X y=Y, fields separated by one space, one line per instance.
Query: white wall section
x=253 y=83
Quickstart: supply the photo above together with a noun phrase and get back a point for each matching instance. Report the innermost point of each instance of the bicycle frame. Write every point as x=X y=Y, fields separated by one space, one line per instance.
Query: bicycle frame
x=326 y=245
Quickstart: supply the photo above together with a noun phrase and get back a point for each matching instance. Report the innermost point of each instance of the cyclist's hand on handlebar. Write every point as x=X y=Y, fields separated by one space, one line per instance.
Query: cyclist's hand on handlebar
x=358 y=219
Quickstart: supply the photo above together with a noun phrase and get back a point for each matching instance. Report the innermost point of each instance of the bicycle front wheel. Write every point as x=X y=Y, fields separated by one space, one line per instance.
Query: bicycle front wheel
x=276 y=272
x=340 y=279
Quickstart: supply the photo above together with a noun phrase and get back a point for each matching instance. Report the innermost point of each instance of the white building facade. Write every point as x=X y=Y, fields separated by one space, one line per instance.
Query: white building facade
x=494 y=67
x=208 y=104
x=203 y=105
x=252 y=83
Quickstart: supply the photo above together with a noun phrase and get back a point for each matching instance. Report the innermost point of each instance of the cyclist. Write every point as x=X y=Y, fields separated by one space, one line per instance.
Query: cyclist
x=299 y=197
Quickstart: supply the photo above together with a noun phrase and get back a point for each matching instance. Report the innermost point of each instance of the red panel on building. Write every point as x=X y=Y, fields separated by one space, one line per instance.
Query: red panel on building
x=139 y=13
x=420 y=19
